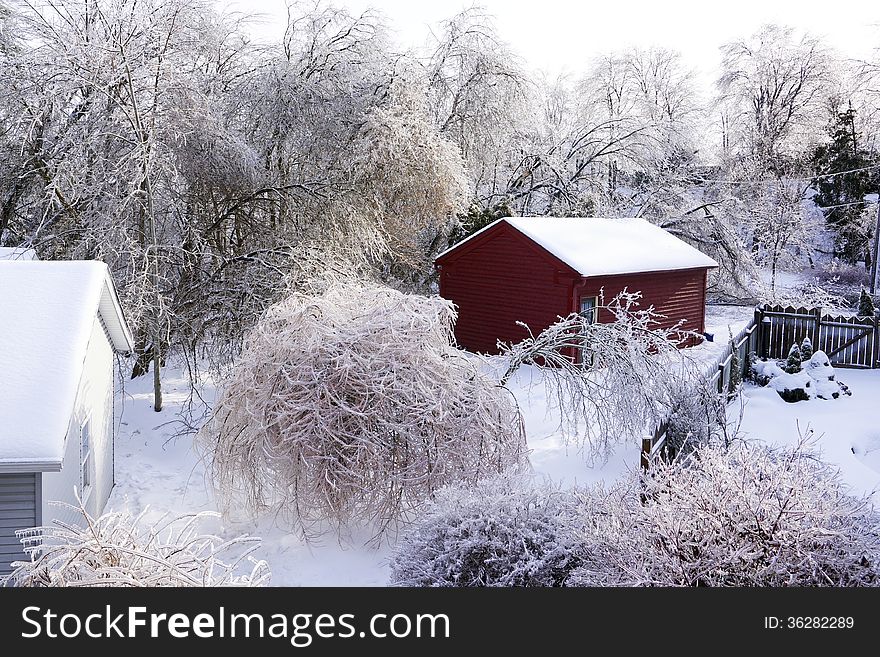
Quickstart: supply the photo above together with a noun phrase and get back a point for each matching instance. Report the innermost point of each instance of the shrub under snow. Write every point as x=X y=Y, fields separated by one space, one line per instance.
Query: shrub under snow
x=355 y=406
x=814 y=378
x=750 y=516
x=500 y=533
x=117 y=549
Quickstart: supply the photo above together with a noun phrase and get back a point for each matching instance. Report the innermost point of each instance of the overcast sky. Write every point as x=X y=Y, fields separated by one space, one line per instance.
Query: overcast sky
x=561 y=36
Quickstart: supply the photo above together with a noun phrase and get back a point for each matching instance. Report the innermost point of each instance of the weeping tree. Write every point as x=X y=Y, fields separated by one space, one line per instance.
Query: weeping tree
x=611 y=381
x=352 y=408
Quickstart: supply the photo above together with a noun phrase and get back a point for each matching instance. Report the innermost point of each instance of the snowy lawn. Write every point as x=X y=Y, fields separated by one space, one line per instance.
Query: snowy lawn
x=154 y=468
x=847 y=430
x=721 y=322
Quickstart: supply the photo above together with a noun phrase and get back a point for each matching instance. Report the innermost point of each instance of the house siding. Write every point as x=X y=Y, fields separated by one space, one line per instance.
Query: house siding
x=501 y=279
x=680 y=295
x=94 y=401
x=19 y=509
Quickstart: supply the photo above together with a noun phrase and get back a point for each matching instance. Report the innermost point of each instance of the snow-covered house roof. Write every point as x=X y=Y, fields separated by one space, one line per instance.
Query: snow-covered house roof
x=17 y=253
x=595 y=246
x=47 y=310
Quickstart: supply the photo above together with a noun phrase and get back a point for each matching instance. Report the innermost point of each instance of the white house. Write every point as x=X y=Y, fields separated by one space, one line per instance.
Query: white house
x=60 y=324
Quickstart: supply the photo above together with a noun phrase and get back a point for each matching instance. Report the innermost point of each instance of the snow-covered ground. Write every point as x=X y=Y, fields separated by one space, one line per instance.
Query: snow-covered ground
x=154 y=468
x=847 y=430
x=721 y=323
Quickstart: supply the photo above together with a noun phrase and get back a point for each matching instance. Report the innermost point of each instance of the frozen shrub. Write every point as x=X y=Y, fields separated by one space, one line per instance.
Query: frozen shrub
x=754 y=370
x=815 y=379
x=736 y=366
x=500 y=533
x=695 y=415
x=841 y=274
x=793 y=362
x=750 y=516
x=352 y=408
x=117 y=549
x=806 y=349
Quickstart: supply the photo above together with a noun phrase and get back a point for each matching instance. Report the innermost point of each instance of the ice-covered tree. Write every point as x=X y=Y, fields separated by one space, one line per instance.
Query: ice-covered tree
x=610 y=379
x=477 y=93
x=772 y=84
x=782 y=227
x=352 y=408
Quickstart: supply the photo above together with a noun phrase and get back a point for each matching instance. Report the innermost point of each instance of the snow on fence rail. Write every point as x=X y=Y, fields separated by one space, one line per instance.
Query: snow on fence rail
x=718 y=375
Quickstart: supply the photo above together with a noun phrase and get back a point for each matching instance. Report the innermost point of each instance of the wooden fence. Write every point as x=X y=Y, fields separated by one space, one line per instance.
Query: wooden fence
x=847 y=341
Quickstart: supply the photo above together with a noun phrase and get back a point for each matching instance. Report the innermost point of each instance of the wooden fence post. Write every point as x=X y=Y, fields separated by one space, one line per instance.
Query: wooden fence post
x=759 y=332
x=721 y=377
x=765 y=336
x=647 y=444
x=876 y=355
x=817 y=327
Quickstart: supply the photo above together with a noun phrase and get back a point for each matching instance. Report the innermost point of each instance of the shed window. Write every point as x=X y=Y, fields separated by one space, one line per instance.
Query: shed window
x=588 y=308
x=86 y=458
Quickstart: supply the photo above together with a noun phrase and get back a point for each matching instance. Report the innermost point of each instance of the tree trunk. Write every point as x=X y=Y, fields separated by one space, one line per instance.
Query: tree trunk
x=157 y=381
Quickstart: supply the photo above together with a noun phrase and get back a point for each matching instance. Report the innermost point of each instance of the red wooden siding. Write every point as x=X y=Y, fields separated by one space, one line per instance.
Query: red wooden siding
x=503 y=279
x=679 y=294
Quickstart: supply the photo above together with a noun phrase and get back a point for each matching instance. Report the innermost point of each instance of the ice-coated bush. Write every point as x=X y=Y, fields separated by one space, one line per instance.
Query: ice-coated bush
x=352 y=408
x=695 y=415
x=503 y=532
x=748 y=516
x=118 y=549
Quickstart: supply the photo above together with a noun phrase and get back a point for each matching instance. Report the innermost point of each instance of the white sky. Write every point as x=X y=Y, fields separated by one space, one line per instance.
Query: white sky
x=561 y=36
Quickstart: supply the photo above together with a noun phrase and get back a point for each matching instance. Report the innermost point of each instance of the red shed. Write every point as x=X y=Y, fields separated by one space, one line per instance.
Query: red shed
x=537 y=269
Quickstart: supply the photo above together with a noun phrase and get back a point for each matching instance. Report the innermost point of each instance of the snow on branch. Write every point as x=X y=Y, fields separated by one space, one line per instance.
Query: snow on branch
x=118 y=549
x=609 y=380
x=354 y=406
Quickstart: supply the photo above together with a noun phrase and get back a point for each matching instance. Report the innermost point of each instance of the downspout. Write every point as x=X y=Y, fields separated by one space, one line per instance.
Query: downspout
x=577 y=288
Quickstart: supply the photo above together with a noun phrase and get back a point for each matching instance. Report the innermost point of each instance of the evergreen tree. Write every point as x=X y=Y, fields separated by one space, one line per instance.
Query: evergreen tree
x=477 y=218
x=793 y=363
x=806 y=349
x=842 y=153
x=866 y=304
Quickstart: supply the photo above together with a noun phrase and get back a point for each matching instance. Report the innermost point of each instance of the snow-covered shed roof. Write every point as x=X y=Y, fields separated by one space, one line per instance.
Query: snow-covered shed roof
x=47 y=310
x=17 y=253
x=595 y=246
